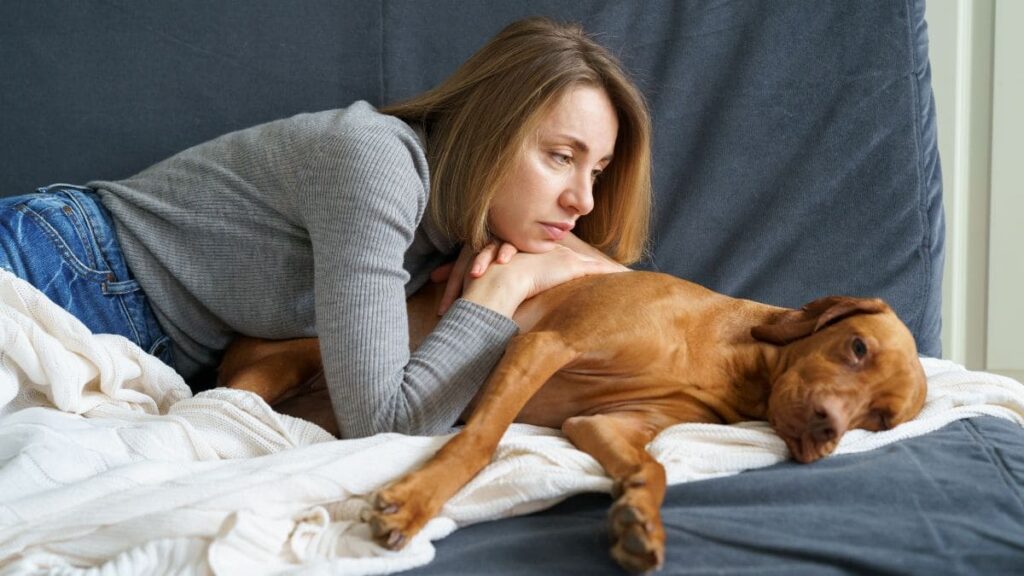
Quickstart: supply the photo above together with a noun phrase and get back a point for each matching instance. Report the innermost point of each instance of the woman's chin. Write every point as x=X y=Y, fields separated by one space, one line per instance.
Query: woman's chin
x=531 y=244
x=536 y=246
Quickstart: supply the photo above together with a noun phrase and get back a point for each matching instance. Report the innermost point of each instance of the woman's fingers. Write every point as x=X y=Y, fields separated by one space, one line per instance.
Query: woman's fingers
x=483 y=260
x=543 y=270
x=469 y=266
x=563 y=264
x=572 y=242
x=527 y=274
x=506 y=252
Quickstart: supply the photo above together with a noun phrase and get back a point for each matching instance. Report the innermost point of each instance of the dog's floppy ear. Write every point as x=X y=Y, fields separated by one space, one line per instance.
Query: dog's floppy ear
x=813 y=316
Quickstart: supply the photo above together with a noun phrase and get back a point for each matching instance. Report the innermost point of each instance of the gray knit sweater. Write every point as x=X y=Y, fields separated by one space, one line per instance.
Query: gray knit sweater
x=310 y=225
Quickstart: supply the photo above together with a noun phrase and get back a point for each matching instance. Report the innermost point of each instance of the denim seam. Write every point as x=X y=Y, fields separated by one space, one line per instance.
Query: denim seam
x=111 y=287
x=81 y=229
x=84 y=229
x=58 y=240
x=162 y=341
x=128 y=317
x=97 y=240
x=93 y=240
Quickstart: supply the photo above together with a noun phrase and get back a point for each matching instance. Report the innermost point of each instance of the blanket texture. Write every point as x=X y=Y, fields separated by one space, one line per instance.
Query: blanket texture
x=109 y=465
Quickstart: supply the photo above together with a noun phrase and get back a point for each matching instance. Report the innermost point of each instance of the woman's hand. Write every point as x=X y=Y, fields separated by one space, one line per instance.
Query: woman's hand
x=505 y=286
x=573 y=242
x=468 y=266
x=574 y=258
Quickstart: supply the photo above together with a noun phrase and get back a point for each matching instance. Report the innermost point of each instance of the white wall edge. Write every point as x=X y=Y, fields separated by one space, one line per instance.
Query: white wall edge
x=961 y=50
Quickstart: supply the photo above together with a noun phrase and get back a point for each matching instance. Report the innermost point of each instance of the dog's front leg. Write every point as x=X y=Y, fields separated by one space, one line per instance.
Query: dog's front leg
x=618 y=442
x=403 y=508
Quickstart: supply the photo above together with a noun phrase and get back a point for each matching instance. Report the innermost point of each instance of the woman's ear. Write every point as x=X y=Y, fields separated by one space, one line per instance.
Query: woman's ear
x=793 y=325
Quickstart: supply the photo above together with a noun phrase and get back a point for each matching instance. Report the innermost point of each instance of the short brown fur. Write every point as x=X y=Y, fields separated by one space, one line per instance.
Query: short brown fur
x=614 y=359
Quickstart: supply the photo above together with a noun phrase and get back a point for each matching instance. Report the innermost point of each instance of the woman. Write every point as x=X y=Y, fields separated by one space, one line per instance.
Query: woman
x=322 y=224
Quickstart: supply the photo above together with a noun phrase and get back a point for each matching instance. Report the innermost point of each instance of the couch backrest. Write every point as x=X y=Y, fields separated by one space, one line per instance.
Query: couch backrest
x=795 y=145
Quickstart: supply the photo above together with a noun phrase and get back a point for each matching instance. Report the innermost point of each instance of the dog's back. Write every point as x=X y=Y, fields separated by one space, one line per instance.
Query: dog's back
x=648 y=341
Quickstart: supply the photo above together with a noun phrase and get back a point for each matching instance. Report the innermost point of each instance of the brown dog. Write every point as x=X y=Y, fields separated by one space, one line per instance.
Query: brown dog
x=614 y=359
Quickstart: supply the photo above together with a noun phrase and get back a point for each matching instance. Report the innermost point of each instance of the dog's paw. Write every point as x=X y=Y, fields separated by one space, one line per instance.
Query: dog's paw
x=638 y=538
x=397 y=515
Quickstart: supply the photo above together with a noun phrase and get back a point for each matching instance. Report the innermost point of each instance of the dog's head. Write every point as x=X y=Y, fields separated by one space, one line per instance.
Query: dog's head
x=845 y=363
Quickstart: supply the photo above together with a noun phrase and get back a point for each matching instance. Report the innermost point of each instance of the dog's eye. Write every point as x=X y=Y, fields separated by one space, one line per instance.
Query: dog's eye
x=860 y=349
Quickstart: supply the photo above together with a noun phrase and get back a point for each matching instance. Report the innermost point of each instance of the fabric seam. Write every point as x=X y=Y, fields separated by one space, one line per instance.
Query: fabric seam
x=924 y=248
x=997 y=463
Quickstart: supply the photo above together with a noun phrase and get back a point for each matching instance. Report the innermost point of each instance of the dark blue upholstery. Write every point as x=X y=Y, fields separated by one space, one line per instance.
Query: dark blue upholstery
x=950 y=502
x=795 y=149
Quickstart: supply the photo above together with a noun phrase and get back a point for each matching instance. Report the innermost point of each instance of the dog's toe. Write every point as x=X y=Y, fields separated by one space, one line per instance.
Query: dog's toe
x=637 y=552
x=395 y=517
x=639 y=560
x=389 y=538
x=623 y=516
x=382 y=506
x=637 y=538
x=387 y=533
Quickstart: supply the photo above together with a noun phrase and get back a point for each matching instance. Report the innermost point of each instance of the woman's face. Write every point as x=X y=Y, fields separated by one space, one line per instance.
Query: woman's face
x=551 y=185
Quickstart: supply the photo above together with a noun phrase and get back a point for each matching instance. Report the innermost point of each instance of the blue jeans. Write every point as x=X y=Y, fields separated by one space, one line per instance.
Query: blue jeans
x=62 y=240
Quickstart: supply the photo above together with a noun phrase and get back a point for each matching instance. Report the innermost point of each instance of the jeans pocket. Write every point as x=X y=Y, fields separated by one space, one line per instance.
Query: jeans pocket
x=59 y=223
x=65 y=245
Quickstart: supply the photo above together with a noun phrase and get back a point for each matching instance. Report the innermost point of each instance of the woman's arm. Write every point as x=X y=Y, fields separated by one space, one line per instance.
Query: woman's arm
x=362 y=201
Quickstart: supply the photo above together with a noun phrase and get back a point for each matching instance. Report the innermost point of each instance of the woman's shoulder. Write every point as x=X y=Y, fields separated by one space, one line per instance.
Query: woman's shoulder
x=359 y=133
x=358 y=145
x=358 y=120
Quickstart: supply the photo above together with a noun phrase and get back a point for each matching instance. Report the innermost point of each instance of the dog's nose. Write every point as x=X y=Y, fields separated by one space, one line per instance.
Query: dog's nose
x=829 y=420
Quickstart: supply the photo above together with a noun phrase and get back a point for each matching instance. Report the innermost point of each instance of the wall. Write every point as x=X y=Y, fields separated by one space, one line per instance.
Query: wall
x=973 y=46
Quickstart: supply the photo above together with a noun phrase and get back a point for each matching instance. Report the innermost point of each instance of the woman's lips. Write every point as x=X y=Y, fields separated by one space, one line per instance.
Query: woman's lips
x=556 y=231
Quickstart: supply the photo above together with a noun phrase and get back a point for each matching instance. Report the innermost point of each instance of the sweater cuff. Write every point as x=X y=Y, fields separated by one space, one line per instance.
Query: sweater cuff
x=467 y=342
x=482 y=319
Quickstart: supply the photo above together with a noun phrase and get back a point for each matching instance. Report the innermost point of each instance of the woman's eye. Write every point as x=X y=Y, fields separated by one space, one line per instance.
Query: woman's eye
x=562 y=159
x=860 y=349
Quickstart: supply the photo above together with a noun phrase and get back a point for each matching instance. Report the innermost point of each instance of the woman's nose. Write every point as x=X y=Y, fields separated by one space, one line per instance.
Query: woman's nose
x=579 y=196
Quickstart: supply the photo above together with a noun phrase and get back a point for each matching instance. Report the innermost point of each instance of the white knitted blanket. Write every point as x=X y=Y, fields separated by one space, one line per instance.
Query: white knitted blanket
x=108 y=464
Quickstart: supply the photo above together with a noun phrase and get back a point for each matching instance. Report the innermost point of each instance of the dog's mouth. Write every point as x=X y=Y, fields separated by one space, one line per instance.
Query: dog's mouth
x=811 y=436
x=810 y=425
x=806 y=449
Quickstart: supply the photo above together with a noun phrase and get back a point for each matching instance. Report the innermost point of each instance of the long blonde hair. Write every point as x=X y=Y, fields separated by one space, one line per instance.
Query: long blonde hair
x=478 y=120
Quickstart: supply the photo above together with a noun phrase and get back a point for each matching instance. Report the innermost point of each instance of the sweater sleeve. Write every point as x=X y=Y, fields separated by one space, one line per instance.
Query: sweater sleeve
x=363 y=196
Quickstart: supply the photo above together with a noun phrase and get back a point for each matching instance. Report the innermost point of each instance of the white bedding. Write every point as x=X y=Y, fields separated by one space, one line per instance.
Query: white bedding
x=108 y=464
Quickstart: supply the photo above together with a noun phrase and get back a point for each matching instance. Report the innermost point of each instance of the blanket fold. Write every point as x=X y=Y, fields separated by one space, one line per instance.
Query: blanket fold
x=108 y=463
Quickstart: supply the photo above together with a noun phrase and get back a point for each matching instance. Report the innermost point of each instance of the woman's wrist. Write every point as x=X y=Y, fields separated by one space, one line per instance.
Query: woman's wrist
x=495 y=293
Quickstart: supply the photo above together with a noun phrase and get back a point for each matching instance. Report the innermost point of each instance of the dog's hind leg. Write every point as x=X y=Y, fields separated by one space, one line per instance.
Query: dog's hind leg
x=403 y=508
x=618 y=442
x=273 y=369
